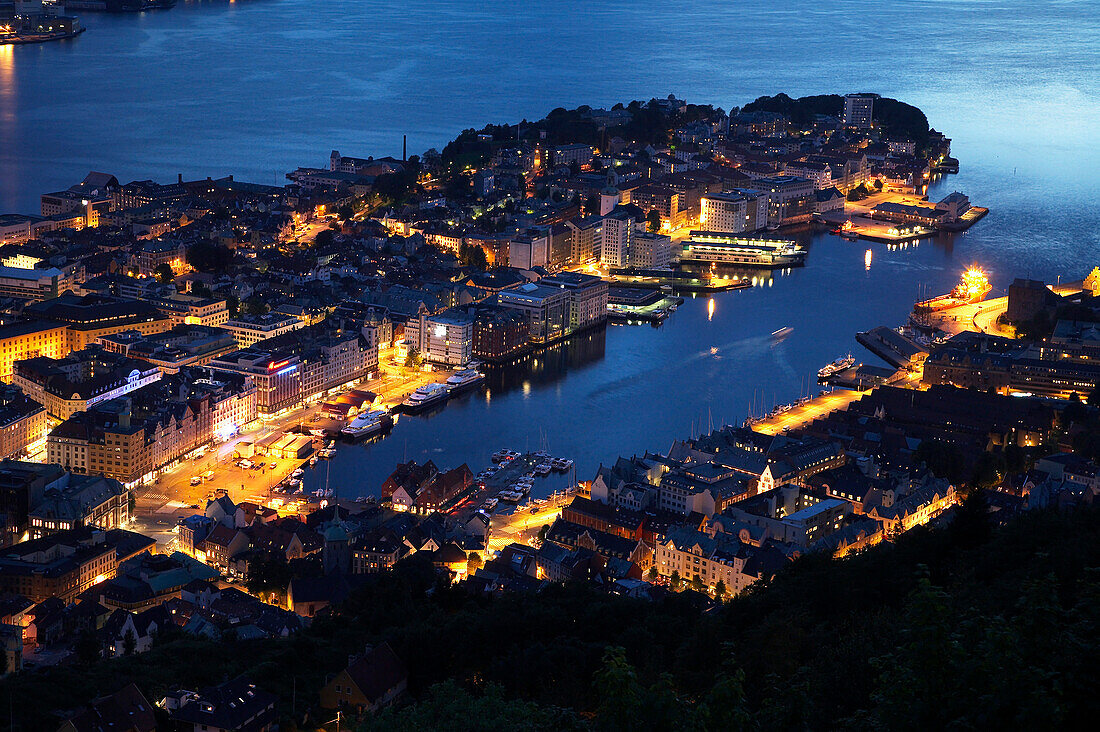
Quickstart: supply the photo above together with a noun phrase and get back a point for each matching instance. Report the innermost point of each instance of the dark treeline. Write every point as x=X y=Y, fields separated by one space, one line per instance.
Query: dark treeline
x=966 y=627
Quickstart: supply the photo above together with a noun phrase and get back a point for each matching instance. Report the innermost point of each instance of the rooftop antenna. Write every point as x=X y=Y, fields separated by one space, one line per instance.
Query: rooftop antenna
x=405 y=148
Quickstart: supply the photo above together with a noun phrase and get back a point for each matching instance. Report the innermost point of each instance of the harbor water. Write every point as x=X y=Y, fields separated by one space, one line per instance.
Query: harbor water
x=258 y=87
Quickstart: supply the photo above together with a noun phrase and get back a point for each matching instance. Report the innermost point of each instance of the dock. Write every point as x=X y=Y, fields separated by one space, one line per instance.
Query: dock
x=892 y=347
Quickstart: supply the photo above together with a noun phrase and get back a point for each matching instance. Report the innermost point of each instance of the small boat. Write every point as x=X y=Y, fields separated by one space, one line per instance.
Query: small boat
x=317 y=432
x=313 y=461
x=297 y=473
x=778 y=335
x=543 y=468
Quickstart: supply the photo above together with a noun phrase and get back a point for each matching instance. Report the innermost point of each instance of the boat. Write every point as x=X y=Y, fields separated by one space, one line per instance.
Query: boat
x=836 y=367
x=778 y=335
x=313 y=461
x=490 y=504
x=426 y=396
x=735 y=249
x=543 y=468
x=467 y=378
x=317 y=432
x=297 y=473
x=972 y=289
x=368 y=423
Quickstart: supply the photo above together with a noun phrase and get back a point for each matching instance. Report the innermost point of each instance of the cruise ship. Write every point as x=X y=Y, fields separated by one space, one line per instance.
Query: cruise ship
x=724 y=248
x=464 y=379
x=426 y=396
x=368 y=424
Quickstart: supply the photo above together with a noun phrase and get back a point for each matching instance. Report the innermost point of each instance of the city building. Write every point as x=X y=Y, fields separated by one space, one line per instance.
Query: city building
x=67 y=563
x=575 y=154
x=444 y=338
x=858 y=110
x=498 y=333
x=88 y=317
x=23 y=423
x=585 y=235
x=133 y=438
x=22 y=487
x=790 y=199
x=80 y=500
x=30 y=339
x=183 y=345
x=302 y=365
x=587 y=297
x=33 y=283
x=183 y=309
x=529 y=249
x=81 y=380
x=734 y=212
x=547 y=309
x=669 y=203
x=248 y=330
x=616 y=239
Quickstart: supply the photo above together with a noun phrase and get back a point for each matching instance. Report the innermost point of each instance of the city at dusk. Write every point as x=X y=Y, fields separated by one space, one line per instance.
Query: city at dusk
x=462 y=366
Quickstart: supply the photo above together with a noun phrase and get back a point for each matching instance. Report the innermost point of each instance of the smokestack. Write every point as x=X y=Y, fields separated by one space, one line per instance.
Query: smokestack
x=179 y=177
x=405 y=148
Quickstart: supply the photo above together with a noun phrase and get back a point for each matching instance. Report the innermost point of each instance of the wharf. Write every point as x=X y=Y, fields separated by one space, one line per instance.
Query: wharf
x=968 y=219
x=863 y=377
x=892 y=347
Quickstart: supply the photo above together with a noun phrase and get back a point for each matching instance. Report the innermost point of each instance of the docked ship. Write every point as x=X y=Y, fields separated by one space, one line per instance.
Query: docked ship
x=465 y=379
x=734 y=249
x=425 y=396
x=972 y=289
x=836 y=366
x=368 y=424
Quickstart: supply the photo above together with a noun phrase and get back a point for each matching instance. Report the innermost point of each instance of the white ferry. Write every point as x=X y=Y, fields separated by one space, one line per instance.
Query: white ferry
x=425 y=396
x=464 y=379
x=836 y=366
x=368 y=423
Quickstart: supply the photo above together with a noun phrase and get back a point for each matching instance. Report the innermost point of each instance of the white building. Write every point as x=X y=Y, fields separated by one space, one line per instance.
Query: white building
x=528 y=250
x=858 y=110
x=616 y=239
x=652 y=251
x=447 y=338
x=734 y=212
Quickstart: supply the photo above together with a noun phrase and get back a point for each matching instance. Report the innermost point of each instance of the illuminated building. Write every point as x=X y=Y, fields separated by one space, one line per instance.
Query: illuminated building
x=29 y=340
x=858 y=110
x=81 y=379
x=88 y=317
x=734 y=212
x=248 y=330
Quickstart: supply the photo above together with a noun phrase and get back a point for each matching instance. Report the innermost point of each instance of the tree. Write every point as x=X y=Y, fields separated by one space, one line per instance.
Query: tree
x=620 y=693
x=652 y=574
x=592 y=206
x=473 y=563
x=473 y=255
x=653 y=219
x=720 y=589
x=324 y=238
x=129 y=643
x=675 y=580
x=206 y=256
x=164 y=273
x=87 y=646
x=697 y=584
x=543 y=531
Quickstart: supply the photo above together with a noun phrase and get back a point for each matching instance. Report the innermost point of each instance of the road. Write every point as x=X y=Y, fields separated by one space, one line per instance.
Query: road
x=172 y=496
x=522 y=526
x=808 y=412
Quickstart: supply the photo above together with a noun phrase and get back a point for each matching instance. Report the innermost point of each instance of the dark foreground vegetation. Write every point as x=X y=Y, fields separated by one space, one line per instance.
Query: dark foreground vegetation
x=966 y=627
